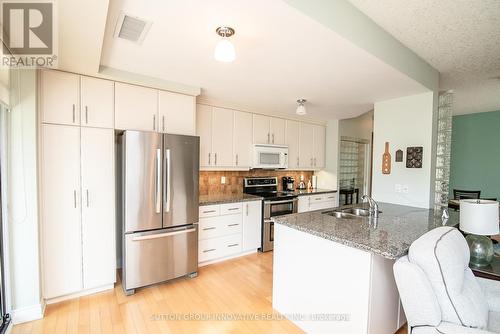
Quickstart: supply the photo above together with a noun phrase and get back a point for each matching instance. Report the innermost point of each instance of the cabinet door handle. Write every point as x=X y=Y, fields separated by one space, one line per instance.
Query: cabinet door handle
x=231 y=225
x=87 y=198
x=208 y=228
x=311 y=161
x=209 y=156
x=232 y=209
x=74 y=197
x=233 y=245
x=268 y=138
x=297 y=161
x=215 y=158
x=273 y=138
x=163 y=123
x=314 y=162
x=86 y=115
x=209 y=250
x=247 y=210
x=209 y=211
x=236 y=159
x=154 y=122
x=74 y=114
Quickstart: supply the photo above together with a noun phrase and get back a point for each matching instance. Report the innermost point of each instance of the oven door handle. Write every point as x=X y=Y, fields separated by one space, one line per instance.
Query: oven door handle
x=282 y=202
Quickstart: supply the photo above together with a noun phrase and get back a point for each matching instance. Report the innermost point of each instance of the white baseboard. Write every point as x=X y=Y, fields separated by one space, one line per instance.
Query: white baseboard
x=29 y=313
x=79 y=294
x=206 y=263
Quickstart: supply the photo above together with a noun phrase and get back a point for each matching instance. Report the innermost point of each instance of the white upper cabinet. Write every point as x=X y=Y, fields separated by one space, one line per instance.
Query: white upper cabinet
x=60 y=210
x=204 y=131
x=60 y=93
x=319 y=146
x=97 y=102
x=177 y=113
x=261 y=129
x=277 y=131
x=292 y=140
x=242 y=139
x=222 y=137
x=306 y=146
x=136 y=107
x=98 y=201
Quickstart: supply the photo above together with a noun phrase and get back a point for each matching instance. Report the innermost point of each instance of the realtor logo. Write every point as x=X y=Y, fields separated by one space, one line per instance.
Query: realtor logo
x=28 y=34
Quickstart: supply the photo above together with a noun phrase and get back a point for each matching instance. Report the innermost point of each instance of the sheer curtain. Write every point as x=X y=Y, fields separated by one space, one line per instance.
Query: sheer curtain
x=4 y=317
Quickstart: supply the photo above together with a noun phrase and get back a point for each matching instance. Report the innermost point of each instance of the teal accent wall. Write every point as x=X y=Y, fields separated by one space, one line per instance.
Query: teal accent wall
x=475 y=153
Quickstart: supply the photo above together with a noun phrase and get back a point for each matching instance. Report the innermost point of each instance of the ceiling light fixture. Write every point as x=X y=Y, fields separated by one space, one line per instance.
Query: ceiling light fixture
x=224 y=50
x=301 y=109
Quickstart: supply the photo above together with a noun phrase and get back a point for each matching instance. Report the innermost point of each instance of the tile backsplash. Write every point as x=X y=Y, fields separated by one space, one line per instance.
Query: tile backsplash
x=210 y=181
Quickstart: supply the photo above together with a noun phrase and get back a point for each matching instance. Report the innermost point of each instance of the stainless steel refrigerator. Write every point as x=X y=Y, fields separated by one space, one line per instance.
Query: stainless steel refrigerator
x=159 y=207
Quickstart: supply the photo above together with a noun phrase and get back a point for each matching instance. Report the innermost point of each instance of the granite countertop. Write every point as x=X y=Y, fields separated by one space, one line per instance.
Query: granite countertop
x=390 y=236
x=227 y=198
x=302 y=192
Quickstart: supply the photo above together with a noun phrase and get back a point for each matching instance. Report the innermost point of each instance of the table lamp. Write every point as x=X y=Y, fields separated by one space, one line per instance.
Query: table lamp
x=480 y=219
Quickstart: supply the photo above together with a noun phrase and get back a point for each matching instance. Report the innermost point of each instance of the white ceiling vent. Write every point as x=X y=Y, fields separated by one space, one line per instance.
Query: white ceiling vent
x=132 y=28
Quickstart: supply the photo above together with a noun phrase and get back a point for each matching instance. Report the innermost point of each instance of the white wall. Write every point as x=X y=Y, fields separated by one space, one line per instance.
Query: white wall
x=358 y=127
x=403 y=122
x=327 y=178
x=22 y=198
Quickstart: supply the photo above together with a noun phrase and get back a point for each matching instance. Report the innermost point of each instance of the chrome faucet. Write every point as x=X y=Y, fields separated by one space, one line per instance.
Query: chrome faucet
x=373 y=205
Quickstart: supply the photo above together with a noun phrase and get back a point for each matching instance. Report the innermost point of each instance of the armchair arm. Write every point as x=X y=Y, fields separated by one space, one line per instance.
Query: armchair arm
x=450 y=328
x=491 y=290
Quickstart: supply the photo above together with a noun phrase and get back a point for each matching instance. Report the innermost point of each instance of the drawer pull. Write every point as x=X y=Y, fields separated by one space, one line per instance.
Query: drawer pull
x=209 y=211
x=209 y=250
x=233 y=225
x=331 y=197
x=232 y=209
x=317 y=199
x=209 y=228
x=233 y=245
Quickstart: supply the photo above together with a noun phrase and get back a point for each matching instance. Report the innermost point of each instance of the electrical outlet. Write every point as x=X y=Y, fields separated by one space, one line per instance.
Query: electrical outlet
x=404 y=189
x=397 y=188
x=222 y=180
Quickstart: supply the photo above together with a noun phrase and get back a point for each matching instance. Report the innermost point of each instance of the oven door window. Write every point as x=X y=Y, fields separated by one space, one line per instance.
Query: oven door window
x=281 y=209
x=269 y=158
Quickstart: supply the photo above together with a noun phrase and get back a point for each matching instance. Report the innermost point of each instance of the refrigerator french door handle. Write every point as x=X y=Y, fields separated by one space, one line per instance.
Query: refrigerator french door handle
x=162 y=235
x=158 y=181
x=166 y=185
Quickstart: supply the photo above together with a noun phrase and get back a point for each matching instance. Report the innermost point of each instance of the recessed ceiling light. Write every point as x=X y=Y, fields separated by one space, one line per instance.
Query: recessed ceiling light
x=301 y=109
x=224 y=50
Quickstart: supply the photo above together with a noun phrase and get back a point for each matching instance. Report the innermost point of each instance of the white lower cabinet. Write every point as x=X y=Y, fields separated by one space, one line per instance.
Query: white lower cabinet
x=78 y=217
x=317 y=202
x=227 y=230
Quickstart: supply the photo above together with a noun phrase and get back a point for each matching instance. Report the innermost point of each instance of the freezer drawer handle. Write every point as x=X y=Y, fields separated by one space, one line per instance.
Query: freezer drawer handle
x=209 y=250
x=209 y=228
x=162 y=235
x=233 y=245
x=233 y=225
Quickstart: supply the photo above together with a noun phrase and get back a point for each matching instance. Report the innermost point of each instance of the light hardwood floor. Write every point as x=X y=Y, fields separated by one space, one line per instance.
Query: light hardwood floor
x=241 y=286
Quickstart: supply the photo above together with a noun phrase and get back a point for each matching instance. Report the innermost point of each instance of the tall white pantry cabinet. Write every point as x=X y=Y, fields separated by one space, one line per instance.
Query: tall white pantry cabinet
x=77 y=183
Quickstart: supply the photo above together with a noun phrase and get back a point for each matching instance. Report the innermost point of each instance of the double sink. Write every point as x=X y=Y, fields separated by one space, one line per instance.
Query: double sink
x=349 y=213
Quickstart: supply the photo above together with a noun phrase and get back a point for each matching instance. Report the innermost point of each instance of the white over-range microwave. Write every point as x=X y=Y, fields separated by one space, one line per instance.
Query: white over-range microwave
x=270 y=156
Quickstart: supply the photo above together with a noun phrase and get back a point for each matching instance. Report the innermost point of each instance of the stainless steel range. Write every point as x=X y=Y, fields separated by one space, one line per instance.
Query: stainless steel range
x=276 y=203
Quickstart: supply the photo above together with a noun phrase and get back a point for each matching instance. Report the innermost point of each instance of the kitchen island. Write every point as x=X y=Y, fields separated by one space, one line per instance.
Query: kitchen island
x=334 y=275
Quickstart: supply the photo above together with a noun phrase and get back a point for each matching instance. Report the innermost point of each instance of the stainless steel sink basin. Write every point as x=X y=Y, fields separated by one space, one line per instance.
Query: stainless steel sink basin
x=357 y=212
x=349 y=213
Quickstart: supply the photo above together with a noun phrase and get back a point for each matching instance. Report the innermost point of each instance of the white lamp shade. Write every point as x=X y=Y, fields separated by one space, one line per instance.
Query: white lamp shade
x=301 y=110
x=479 y=217
x=224 y=51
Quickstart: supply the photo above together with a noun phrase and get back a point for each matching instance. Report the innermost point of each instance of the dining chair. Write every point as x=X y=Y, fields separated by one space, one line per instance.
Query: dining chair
x=466 y=194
